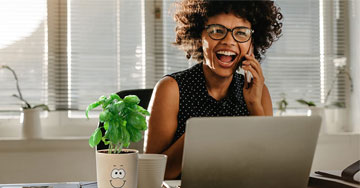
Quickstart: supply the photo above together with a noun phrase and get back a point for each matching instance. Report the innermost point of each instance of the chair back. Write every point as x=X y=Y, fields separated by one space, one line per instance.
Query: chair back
x=144 y=96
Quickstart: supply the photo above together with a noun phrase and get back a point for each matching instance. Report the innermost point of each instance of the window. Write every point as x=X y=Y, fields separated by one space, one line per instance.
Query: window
x=69 y=52
x=23 y=47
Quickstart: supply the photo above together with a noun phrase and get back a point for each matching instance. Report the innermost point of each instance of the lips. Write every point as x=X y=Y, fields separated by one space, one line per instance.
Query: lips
x=226 y=58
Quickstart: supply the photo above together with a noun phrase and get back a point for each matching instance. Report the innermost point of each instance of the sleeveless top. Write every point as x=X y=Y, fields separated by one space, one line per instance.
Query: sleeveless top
x=195 y=100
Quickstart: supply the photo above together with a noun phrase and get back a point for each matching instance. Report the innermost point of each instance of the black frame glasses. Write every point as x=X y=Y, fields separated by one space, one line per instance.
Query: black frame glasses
x=235 y=29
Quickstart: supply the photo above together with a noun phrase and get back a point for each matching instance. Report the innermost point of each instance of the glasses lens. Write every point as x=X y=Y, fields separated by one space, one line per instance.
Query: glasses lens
x=216 y=31
x=242 y=34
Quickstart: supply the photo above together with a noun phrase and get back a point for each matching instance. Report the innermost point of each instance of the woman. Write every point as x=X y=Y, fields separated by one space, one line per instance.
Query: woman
x=220 y=35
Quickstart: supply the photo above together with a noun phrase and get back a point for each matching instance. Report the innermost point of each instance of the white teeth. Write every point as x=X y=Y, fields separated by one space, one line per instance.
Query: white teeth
x=226 y=53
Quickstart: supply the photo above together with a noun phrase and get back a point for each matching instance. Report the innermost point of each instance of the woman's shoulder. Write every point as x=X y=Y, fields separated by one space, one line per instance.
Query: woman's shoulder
x=167 y=86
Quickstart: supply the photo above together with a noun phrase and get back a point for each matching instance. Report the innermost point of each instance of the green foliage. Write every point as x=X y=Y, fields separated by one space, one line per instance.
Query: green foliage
x=282 y=104
x=304 y=102
x=124 y=120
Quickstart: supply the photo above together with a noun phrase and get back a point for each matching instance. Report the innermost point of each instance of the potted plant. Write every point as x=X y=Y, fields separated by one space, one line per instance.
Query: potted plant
x=314 y=110
x=30 y=116
x=124 y=120
x=282 y=105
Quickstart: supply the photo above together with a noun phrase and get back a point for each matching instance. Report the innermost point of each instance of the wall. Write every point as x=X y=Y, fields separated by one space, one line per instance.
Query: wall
x=354 y=11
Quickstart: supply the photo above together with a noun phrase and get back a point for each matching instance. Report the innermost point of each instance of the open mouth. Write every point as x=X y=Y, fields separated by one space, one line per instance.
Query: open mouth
x=226 y=56
x=117 y=186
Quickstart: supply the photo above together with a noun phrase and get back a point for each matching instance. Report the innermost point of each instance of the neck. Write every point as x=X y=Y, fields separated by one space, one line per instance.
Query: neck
x=217 y=86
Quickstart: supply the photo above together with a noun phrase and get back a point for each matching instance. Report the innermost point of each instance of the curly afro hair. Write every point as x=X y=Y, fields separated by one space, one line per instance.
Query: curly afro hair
x=191 y=16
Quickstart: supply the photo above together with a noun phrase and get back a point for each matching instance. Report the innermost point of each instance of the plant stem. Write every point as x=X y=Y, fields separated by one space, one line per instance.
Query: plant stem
x=110 y=148
x=17 y=86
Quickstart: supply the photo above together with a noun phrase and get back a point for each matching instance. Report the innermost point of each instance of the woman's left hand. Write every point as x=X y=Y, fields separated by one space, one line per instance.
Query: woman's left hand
x=253 y=91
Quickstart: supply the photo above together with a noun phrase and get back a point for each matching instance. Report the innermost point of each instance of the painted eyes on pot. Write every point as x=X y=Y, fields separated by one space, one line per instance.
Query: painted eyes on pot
x=118 y=173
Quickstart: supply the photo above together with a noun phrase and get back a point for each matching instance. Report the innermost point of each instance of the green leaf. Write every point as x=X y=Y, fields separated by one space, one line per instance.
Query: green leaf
x=135 y=134
x=308 y=103
x=43 y=106
x=95 y=138
x=125 y=136
x=142 y=110
x=115 y=96
x=132 y=99
x=114 y=136
x=106 y=125
x=105 y=116
x=119 y=106
x=90 y=107
x=107 y=102
x=137 y=120
x=106 y=142
x=102 y=99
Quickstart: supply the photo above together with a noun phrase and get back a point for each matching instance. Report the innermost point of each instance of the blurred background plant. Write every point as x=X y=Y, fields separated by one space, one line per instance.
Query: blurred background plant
x=282 y=104
x=26 y=104
x=341 y=70
x=307 y=103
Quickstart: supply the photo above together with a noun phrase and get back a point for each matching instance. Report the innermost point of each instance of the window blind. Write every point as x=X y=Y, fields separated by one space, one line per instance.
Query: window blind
x=73 y=51
x=105 y=50
x=23 y=47
x=301 y=64
x=292 y=65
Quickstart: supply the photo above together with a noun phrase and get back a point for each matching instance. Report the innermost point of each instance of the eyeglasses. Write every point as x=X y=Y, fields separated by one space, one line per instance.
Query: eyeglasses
x=219 y=32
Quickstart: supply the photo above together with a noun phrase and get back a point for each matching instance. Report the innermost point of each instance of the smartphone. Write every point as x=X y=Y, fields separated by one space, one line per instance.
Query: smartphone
x=248 y=74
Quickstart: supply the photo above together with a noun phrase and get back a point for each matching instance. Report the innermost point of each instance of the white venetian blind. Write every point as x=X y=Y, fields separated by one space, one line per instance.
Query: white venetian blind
x=300 y=64
x=105 y=49
x=169 y=58
x=67 y=53
x=23 y=47
x=292 y=65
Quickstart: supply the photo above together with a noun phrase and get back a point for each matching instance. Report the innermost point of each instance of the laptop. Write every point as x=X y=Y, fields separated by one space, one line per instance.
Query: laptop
x=249 y=151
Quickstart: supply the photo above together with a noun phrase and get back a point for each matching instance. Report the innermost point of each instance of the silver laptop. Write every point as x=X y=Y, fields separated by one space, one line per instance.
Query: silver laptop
x=249 y=151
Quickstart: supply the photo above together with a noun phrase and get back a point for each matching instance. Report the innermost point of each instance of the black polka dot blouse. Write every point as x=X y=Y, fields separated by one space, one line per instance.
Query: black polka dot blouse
x=195 y=100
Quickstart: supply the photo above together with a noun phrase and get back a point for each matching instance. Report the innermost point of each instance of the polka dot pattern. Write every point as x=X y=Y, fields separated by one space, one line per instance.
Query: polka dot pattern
x=196 y=102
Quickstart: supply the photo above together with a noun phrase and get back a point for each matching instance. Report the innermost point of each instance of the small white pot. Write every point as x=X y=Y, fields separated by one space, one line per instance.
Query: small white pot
x=151 y=170
x=338 y=120
x=31 y=125
x=117 y=170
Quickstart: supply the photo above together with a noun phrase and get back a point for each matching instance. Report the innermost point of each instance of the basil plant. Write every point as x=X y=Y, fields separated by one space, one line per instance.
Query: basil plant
x=124 y=120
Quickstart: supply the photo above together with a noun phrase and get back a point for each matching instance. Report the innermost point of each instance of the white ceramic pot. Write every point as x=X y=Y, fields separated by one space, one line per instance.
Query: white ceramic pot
x=31 y=125
x=337 y=120
x=117 y=170
x=151 y=170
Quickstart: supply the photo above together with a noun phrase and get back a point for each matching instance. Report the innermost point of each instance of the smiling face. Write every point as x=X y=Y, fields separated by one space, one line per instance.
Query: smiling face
x=222 y=56
x=117 y=178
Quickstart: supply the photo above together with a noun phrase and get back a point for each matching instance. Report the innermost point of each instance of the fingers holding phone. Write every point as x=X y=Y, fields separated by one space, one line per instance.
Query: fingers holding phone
x=254 y=79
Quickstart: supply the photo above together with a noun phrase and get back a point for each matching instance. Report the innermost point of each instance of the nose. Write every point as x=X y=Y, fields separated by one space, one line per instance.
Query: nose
x=229 y=40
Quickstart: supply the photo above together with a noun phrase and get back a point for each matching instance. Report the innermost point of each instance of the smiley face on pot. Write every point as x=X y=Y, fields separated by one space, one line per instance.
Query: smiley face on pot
x=117 y=177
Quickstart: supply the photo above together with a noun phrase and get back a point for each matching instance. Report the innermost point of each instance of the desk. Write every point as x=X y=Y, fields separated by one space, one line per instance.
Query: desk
x=52 y=185
x=313 y=183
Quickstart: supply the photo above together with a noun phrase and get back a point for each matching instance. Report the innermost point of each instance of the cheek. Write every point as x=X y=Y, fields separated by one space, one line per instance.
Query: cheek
x=244 y=48
x=207 y=47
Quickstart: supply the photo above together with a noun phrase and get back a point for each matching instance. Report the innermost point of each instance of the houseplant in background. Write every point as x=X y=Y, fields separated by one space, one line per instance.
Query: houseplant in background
x=282 y=105
x=124 y=121
x=314 y=110
x=30 y=116
x=337 y=111
x=310 y=104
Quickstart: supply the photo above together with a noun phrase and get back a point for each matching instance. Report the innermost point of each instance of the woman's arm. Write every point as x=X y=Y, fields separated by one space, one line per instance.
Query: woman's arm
x=266 y=102
x=164 y=108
